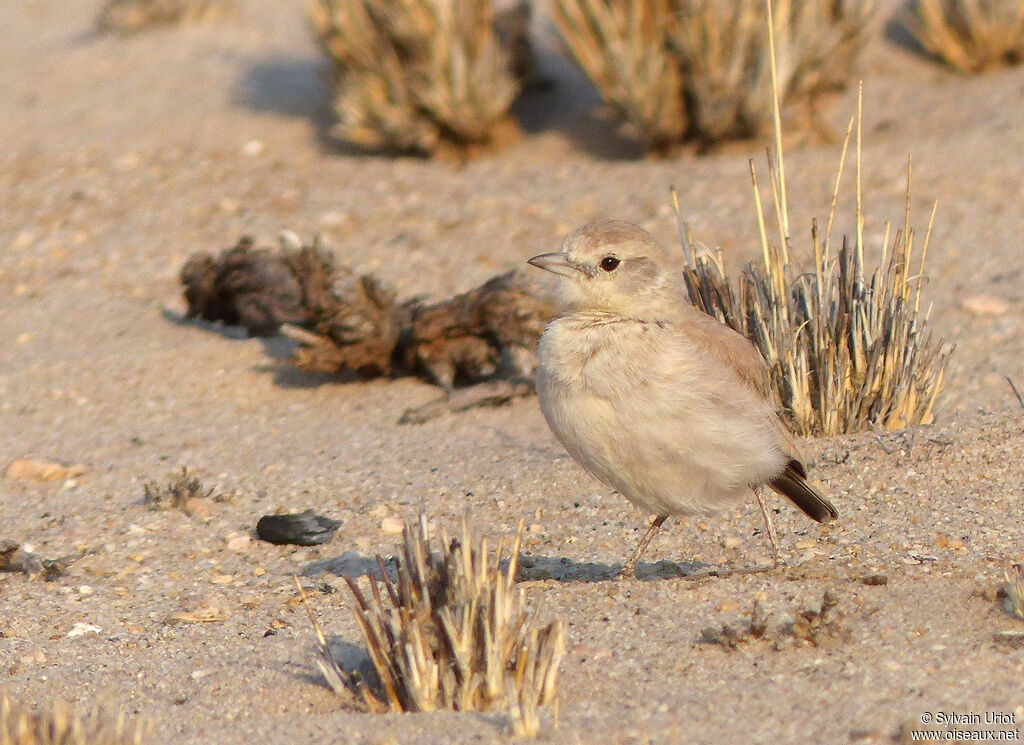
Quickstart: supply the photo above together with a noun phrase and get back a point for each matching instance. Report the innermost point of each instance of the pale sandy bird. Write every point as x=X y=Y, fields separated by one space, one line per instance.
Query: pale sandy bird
x=655 y=398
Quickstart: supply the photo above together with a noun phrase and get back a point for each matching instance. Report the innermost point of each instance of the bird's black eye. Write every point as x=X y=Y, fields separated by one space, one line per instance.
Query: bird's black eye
x=608 y=263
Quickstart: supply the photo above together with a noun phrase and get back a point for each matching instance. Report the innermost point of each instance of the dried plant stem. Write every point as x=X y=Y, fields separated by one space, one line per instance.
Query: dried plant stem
x=969 y=35
x=698 y=69
x=425 y=75
x=62 y=724
x=450 y=632
x=846 y=346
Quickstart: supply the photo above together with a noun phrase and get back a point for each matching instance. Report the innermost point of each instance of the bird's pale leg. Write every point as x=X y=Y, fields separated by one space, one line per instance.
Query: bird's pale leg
x=629 y=569
x=770 y=525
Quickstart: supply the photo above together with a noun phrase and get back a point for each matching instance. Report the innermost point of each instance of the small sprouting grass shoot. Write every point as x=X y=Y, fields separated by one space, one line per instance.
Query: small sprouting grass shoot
x=176 y=493
x=451 y=632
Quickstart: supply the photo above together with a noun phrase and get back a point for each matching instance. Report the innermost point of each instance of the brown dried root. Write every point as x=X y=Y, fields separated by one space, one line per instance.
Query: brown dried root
x=132 y=16
x=450 y=632
x=969 y=35
x=423 y=75
x=354 y=322
x=61 y=724
x=698 y=69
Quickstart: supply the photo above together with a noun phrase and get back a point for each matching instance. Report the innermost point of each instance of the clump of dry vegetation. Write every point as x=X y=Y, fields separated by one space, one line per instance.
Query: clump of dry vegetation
x=350 y=322
x=847 y=343
x=451 y=632
x=969 y=35
x=818 y=627
x=14 y=558
x=132 y=16
x=1014 y=590
x=698 y=69
x=431 y=76
x=183 y=492
x=61 y=724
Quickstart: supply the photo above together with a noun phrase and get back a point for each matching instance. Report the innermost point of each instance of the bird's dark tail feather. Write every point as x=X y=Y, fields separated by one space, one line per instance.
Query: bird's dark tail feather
x=792 y=484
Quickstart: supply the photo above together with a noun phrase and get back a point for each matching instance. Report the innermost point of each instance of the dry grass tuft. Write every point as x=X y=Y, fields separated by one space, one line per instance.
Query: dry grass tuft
x=182 y=493
x=969 y=35
x=847 y=344
x=1015 y=591
x=698 y=69
x=433 y=76
x=819 y=626
x=623 y=47
x=61 y=724
x=451 y=633
x=132 y=16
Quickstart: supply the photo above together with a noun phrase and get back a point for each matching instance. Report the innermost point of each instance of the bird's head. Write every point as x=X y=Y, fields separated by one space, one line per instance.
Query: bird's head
x=617 y=267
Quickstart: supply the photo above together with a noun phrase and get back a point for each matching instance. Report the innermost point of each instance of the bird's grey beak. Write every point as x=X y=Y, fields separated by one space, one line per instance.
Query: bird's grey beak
x=555 y=263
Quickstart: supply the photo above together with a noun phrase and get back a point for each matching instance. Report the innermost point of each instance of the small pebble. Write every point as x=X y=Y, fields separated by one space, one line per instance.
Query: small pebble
x=392 y=525
x=985 y=305
x=81 y=629
x=238 y=541
x=199 y=506
x=254 y=147
x=42 y=469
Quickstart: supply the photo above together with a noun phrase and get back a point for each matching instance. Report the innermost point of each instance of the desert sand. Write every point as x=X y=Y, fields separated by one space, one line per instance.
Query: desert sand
x=122 y=156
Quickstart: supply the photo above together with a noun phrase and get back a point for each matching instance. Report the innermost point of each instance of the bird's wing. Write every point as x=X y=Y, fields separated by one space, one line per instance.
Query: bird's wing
x=738 y=354
x=732 y=350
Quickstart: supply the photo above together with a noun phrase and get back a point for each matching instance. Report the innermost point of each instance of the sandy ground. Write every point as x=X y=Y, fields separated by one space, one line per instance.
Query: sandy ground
x=120 y=157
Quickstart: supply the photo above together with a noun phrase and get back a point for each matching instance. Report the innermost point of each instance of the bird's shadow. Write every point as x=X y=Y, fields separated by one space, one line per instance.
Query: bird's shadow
x=532 y=568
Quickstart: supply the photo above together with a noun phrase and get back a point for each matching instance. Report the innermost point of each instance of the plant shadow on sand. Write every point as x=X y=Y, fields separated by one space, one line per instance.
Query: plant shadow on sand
x=532 y=568
x=278 y=348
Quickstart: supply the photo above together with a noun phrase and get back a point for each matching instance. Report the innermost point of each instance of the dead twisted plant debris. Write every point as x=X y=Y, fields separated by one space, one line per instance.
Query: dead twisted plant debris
x=450 y=632
x=16 y=558
x=969 y=35
x=62 y=724
x=815 y=626
x=698 y=69
x=847 y=345
x=431 y=76
x=132 y=16
x=355 y=323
